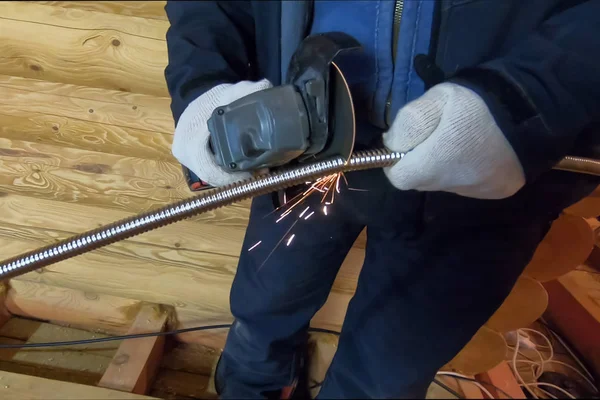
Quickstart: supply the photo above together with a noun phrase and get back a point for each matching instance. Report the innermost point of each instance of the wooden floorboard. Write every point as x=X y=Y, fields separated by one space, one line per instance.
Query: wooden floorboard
x=18 y=387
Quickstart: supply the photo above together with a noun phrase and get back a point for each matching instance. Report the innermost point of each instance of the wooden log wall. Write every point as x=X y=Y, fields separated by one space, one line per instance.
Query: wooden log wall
x=85 y=135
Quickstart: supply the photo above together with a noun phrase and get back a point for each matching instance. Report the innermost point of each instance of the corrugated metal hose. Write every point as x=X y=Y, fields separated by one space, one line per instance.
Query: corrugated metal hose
x=220 y=197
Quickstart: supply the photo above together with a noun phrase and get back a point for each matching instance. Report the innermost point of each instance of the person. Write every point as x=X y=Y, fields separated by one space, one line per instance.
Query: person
x=485 y=96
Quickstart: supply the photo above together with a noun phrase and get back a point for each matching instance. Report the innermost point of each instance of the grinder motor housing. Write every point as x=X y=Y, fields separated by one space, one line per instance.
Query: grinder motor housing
x=311 y=117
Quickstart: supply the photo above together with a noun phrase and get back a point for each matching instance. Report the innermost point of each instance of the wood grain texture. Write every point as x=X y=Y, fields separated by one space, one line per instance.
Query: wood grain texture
x=90 y=310
x=191 y=358
x=19 y=96
x=584 y=285
x=136 y=363
x=176 y=385
x=90 y=359
x=526 y=302
x=85 y=136
x=588 y=207
x=45 y=42
x=486 y=349
x=18 y=387
x=96 y=164
x=44 y=371
x=219 y=232
x=567 y=245
x=83 y=19
x=35 y=331
x=502 y=376
x=72 y=133
x=145 y=9
x=574 y=310
x=4 y=313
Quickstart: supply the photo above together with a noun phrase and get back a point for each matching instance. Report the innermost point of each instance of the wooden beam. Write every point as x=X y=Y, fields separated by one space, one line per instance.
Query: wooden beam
x=136 y=362
x=88 y=20
x=77 y=308
x=17 y=387
x=79 y=364
x=469 y=390
x=74 y=133
x=24 y=95
x=502 y=377
x=170 y=384
x=575 y=312
x=57 y=48
x=145 y=9
x=4 y=313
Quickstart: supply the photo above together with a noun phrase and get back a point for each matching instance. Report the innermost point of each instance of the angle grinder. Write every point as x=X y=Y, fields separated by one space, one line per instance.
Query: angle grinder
x=307 y=119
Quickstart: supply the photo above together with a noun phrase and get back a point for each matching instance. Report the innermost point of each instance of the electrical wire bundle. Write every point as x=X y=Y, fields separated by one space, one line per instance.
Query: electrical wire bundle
x=526 y=339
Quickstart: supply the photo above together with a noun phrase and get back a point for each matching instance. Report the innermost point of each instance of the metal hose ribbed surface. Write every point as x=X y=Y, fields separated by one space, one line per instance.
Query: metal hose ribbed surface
x=220 y=197
x=178 y=211
x=580 y=165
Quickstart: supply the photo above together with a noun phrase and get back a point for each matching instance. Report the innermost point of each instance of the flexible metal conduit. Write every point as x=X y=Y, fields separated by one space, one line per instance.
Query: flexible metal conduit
x=216 y=198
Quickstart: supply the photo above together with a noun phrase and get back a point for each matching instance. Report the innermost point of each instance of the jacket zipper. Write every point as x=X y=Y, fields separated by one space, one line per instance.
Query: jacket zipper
x=398 y=9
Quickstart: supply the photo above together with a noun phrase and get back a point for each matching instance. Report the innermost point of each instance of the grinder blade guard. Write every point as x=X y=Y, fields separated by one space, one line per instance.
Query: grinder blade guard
x=309 y=118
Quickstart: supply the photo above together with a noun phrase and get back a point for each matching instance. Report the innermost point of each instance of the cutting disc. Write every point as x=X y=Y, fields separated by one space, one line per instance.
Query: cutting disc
x=342 y=123
x=342 y=128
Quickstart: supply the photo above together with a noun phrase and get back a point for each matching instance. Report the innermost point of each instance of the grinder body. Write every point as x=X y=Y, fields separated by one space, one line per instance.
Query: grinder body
x=309 y=118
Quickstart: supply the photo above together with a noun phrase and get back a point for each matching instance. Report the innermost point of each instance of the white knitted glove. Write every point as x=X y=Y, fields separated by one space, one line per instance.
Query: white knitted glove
x=454 y=145
x=190 y=144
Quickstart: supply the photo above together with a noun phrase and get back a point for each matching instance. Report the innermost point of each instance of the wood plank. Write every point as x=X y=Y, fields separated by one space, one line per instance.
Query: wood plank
x=190 y=358
x=435 y=391
x=96 y=164
x=90 y=309
x=145 y=9
x=136 y=362
x=43 y=371
x=91 y=359
x=19 y=328
x=567 y=244
x=526 y=302
x=574 y=310
x=158 y=107
x=588 y=207
x=83 y=20
x=105 y=57
x=486 y=349
x=469 y=390
x=4 y=314
x=502 y=376
x=68 y=185
x=221 y=231
x=20 y=96
x=176 y=385
x=86 y=135
x=17 y=387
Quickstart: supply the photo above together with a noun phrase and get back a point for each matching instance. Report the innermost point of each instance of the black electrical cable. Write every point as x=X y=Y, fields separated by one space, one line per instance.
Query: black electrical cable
x=445 y=387
x=202 y=328
x=134 y=336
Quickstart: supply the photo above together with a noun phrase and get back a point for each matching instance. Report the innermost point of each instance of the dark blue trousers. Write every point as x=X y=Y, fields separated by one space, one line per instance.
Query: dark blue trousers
x=437 y=266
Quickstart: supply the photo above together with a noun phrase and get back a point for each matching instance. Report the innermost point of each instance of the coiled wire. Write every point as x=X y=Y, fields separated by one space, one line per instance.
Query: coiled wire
x=220 y=197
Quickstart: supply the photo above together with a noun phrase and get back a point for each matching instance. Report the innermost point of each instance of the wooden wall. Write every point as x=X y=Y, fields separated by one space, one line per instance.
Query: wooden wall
x=85 y=134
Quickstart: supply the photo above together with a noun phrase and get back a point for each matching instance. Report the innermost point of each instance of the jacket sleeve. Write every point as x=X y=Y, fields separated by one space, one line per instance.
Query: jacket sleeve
x=546 y=90
x=209 y=43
